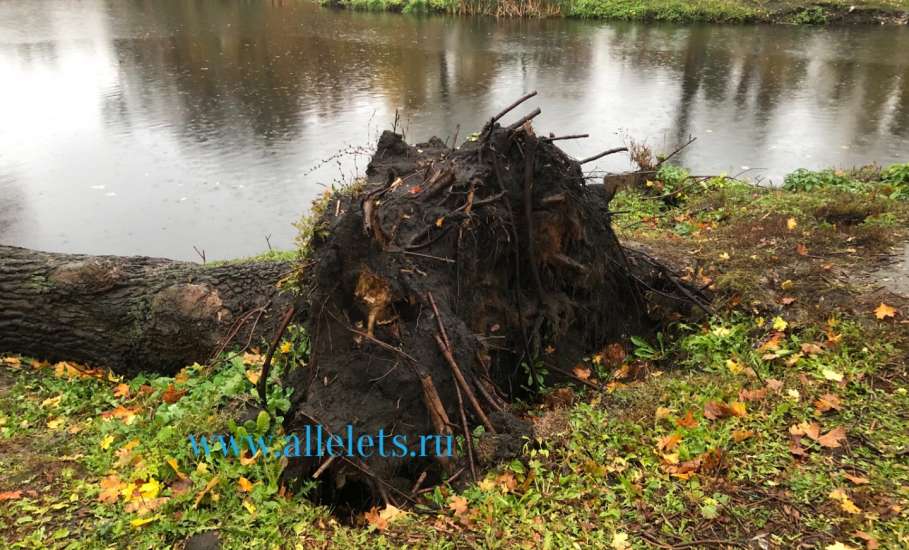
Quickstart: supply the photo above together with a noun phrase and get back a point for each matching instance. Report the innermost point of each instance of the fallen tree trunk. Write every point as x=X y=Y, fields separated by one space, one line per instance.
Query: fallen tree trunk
x=133 y=313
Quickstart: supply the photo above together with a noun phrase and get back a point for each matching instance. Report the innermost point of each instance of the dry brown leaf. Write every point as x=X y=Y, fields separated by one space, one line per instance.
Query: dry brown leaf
x=870 y=542
x=858 y=480
x=581 y=372
x=828 y=402
x=752 y=395
x=741 y=435
x=774 y=385
x=110 y=489
x=668 y=443
x=832 y=439
x=614 y=354
x=172 y=395
x=812 y=349
x=715 y=411
x=810 y=429
x=795 y=445
x=10 y=495
x=801 y=249
x=122 y=390
x=687 y=421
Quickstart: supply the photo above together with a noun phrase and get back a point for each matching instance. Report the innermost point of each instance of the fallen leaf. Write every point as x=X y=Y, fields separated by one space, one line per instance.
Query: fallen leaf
x=176 y=468
x=845 y=502
x=668 y=443
x=620 y=541
x=741 y=435
x=122 y=391
x=831 y=375
x=884 y=311
x=832 y=439
x=252 y=358
x=858 y=480
x=810 y=429
x=787 y=300
x=253 y=376
x=52 y=401
x=381 y=518
x=208 y=487
x=506 y=482
x=250 y=507
x=139 y=522
x=10 y=495
x=839 y=546
x=791 y=224
x=458 y=505
x=662 y=412
x=870 y=542
x=801 y=249
x=106 y=442
x=812 y=349
x=753 y=395
x=127 y=415
x=687 y=421
x=614 y=354
x=143 y=506
x=774 y=385
x=172 y=395
x=245 y=485
x=773 y=343
x=779 y=324
x=110 y=489
x=828 y=402
x=14 y=362
x=581 y=372
x=56 y=423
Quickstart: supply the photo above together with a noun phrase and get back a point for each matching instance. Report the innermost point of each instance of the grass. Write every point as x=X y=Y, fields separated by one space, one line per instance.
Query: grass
x=717 y=433
x=676 y=11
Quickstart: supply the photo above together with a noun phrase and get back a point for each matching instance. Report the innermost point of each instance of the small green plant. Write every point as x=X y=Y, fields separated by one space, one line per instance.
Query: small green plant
x=814 y=15
x=897 y=176
x=809 y=180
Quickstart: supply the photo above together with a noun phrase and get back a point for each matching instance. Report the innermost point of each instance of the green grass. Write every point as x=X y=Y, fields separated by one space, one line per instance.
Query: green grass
x=675 y=11
x=694 y=442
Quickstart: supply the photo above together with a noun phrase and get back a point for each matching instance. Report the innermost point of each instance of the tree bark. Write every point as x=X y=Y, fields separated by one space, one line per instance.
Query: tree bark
x=133 y=314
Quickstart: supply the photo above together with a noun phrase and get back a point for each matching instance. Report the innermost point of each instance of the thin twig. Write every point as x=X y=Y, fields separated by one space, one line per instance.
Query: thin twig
x=603 y=154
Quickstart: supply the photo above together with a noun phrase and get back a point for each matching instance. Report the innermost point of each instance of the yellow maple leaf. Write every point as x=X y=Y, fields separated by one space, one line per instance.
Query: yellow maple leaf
x=734 y=366
x=780 y=324
x=52 y=401
x=884 y=311
x=286 y=347
x=150 y=489
x=106 y=442
x=791 y=224
x=55 y=423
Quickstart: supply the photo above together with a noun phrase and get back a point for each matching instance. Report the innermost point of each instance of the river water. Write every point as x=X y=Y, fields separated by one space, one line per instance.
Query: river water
x=150 y=127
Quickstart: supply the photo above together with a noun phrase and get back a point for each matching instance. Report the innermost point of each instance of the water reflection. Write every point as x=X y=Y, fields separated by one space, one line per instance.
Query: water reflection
x=149 y=127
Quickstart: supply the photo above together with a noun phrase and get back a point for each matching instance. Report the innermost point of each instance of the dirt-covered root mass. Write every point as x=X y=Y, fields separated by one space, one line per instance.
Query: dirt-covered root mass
x=446 y=284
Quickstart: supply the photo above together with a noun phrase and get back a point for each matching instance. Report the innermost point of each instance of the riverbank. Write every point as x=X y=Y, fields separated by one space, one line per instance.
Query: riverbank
x=791 y=12
x=779 y=419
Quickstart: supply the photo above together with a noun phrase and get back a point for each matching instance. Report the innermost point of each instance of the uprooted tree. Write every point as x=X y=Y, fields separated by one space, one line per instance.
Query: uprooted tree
x=435 y=291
